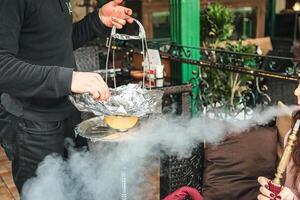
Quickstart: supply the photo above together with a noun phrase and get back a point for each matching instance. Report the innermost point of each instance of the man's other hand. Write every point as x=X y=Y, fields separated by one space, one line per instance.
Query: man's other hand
x=113 y=14
x=86 y=82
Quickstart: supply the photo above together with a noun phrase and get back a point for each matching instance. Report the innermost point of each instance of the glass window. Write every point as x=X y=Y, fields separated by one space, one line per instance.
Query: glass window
x=161 y=24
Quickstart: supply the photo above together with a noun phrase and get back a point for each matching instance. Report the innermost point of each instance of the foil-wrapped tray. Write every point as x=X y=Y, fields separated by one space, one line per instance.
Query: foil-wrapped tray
x=129 y=99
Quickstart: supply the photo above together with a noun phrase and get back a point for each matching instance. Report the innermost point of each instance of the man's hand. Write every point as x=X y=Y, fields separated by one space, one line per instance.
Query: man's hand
x=266 y=194
x=86 y=82
x=112 y=14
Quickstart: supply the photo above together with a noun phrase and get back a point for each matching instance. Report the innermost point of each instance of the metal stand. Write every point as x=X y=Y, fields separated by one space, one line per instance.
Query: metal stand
x=142 y=36
x=124 y=179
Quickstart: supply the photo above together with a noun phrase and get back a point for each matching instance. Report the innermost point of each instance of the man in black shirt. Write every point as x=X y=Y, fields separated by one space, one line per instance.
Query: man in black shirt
x=37 y=74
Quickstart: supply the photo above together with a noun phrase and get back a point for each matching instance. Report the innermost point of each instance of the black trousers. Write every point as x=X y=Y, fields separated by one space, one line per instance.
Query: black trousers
x=27 y=142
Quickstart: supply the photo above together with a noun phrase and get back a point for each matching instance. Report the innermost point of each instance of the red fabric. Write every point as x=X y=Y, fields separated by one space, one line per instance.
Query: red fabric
x=183 y=192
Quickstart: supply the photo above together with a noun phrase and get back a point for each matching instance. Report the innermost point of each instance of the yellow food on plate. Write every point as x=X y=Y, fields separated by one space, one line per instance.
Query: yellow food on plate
x=121 y=123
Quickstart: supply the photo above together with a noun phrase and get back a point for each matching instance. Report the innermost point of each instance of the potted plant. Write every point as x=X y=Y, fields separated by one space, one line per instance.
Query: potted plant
x=234 y=95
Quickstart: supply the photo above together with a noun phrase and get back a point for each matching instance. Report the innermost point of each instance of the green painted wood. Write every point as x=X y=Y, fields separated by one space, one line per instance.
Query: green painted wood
x=273 y=17
x=174 y=13
x=190 y=33
x=185 y=30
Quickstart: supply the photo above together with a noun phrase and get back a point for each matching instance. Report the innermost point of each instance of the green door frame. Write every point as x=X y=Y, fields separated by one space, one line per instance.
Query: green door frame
x=271 y=16
x=185 y=30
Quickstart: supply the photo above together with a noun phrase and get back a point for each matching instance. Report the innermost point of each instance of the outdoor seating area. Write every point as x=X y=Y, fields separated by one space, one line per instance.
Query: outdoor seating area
x=150 y=100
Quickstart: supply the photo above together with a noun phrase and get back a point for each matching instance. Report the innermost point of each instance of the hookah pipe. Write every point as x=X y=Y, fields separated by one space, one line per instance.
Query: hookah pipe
x=275 y=185
x=110 y=41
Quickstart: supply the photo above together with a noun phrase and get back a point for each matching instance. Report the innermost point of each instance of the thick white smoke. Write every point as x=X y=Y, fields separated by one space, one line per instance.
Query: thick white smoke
x=96 y=174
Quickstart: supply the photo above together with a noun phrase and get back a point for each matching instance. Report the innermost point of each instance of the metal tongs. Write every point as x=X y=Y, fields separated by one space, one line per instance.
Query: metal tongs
x=141 y=36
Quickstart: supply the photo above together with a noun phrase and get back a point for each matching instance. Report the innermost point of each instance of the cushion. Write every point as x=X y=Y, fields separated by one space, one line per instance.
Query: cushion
x=232 y=167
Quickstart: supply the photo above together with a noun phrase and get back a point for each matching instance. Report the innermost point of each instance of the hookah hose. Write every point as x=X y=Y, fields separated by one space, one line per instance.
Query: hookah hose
x=275 y=185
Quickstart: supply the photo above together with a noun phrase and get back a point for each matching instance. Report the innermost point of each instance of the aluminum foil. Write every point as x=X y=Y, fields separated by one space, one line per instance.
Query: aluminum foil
x=128 y=99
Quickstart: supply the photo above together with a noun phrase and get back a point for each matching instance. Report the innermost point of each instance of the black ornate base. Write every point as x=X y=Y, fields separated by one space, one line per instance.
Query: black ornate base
x=177 y=172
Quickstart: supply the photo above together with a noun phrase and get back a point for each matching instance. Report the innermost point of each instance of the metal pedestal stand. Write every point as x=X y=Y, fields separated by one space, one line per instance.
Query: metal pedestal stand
x=124 y=192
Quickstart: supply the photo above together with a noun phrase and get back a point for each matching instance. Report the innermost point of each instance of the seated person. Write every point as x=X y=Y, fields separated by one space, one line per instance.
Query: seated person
x=291 y=189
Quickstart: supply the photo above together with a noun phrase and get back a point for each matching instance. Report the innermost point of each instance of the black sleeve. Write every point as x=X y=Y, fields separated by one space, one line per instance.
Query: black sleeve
x=17 y=77
x=87 y=29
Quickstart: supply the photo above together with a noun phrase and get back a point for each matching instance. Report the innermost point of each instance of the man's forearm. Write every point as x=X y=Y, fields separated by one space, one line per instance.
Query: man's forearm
x=25 y=80
x=87 y=29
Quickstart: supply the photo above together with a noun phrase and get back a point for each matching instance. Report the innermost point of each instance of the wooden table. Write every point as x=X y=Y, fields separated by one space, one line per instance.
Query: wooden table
x=8 y=190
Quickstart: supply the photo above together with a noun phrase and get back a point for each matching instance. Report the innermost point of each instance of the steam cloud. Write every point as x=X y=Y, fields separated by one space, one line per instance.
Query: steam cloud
x=96 y=174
